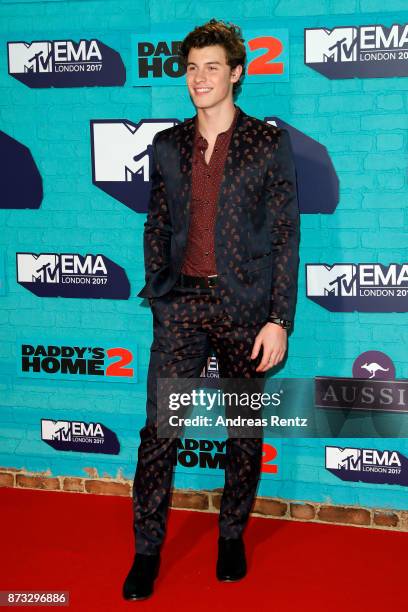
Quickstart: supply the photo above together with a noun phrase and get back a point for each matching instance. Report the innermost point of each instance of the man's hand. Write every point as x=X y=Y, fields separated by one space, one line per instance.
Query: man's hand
x=274 y=340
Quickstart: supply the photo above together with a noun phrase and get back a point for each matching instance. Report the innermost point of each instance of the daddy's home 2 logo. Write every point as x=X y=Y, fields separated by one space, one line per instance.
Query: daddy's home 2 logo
x=156 y=61
x=366 y=51
x=368 y=287
x=210 y=454
x=367 y=465
x=65 y=63
x=112 y=363
x=373 y=387
x=72 y=275
x=79 y=436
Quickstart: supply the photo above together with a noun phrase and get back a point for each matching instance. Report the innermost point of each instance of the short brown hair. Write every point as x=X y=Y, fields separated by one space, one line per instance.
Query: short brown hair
x=217 y=32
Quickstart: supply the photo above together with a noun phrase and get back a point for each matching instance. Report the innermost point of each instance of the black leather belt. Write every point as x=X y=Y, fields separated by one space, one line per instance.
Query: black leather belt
x=198 y=282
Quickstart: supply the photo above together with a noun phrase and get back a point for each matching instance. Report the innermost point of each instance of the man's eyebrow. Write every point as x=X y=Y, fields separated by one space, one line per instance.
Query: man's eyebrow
x=194 y=64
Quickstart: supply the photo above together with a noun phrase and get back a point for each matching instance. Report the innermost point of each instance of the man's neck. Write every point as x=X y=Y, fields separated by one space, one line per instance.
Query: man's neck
x=212 y=121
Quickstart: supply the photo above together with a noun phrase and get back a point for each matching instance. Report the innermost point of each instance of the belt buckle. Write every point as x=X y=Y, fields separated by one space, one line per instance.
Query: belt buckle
x=212 y=280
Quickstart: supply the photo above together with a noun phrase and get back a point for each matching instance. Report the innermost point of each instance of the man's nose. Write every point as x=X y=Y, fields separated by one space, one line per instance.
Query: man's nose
x=199 y=76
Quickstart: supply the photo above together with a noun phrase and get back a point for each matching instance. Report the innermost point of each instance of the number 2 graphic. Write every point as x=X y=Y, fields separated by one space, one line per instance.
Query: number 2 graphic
x=261 y=64
x=117 y=368
x=269 y=454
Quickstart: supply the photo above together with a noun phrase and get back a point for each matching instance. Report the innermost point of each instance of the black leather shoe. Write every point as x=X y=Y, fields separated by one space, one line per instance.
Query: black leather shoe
x=231 y=562
x=140 y=579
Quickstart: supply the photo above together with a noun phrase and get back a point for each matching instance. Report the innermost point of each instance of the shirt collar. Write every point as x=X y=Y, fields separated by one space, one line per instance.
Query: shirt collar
x=227 y=132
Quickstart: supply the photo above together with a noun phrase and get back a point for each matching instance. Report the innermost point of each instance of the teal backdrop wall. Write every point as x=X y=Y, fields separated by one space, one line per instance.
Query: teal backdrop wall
x=362 y=122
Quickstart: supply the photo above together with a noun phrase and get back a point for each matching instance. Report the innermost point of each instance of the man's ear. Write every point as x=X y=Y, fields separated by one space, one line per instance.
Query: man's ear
x=236 y=73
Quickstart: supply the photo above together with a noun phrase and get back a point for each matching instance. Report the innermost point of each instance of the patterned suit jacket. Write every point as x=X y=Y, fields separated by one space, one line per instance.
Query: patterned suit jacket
x=257 y=225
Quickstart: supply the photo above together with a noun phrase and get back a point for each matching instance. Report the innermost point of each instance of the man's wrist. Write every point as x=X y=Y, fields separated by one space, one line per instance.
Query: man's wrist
x=284 y=323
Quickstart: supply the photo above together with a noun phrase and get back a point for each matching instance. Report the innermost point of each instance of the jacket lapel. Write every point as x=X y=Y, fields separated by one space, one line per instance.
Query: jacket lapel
x=185 y=151
x=233 y=160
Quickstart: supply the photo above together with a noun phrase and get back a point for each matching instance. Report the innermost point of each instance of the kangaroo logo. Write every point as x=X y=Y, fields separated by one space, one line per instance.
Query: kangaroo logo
x=374 y=364
x=373 y=368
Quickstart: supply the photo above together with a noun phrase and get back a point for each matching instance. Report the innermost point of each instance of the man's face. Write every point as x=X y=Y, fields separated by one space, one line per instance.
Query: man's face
x=209 y=78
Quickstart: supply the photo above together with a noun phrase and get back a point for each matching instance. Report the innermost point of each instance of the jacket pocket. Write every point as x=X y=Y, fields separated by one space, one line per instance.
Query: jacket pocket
x=258 y=263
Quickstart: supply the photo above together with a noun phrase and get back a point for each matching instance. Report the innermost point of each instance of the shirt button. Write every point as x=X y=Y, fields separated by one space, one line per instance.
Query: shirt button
x=206 y=253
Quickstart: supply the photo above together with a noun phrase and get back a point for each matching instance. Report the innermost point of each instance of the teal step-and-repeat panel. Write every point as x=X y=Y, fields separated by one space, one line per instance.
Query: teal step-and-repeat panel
x=84 y=88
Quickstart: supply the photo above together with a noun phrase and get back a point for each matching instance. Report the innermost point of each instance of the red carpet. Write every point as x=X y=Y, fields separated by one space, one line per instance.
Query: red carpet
x=84 y=544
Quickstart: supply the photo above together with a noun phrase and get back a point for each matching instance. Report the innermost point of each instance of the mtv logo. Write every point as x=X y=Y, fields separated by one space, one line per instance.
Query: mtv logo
x=316 y=179
x=337 y=45
x=30 y=57
x=55 y=430
x=120 y=149
x=121 y=158
x=337 y=280
x=343 y=458
x=32 y=268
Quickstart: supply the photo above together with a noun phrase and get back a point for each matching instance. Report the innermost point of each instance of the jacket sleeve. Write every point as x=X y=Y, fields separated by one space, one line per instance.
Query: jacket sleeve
x=282 y=202
x=157 y=228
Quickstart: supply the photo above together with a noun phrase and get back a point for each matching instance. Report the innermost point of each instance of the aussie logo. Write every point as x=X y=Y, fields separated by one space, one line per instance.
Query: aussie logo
x=72 y=275
x=358 y=51
x=114 y=363
x=79 y=436
x=373 y=388
x=374 y=364
x=369 y=287
x=367 y=465
x=210 y=454
x=65 y=63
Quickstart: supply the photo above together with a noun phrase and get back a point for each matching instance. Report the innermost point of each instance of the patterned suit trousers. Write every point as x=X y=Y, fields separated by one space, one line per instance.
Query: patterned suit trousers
x=187 y=325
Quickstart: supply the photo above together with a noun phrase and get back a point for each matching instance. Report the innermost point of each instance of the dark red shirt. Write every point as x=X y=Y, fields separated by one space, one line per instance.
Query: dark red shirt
x=199 y=259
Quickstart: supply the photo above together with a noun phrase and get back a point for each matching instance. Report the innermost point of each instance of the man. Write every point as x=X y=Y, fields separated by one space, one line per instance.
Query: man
x=221 y=257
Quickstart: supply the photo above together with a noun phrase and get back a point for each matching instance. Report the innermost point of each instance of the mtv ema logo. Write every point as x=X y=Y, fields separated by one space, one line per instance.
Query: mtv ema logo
x=361 y=287
x=79 y=436
x=367 y=465
x=210 y=370
x=368 y=51
x=72 y=275
x=121 y=153
x=65 y=63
